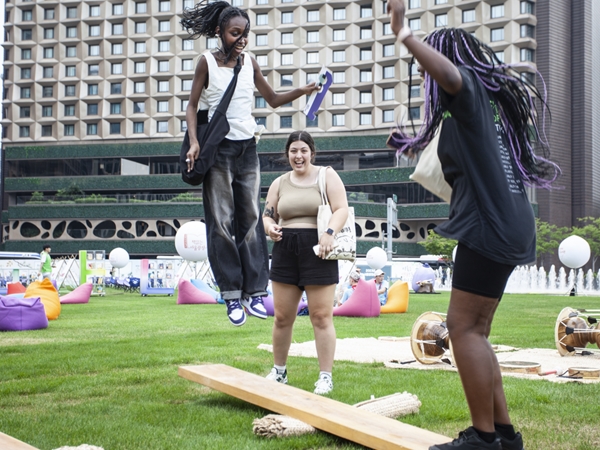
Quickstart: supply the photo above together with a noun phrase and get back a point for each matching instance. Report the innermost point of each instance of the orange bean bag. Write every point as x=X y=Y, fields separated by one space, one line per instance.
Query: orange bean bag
x=397 y=298
x=15 y=288
x=48 y=294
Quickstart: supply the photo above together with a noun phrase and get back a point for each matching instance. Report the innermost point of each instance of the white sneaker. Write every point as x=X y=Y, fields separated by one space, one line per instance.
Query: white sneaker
x=276 y=376
x=324 y=385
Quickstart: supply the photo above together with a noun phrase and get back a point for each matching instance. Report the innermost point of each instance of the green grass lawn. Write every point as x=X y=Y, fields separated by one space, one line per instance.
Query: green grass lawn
x=105 y=373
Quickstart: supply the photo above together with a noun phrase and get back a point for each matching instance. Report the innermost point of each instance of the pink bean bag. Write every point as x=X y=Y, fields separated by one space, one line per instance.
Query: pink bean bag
x=188 y=294
x=15 y=288
x=363 y=302
x=20 y=314
x=81 y=294
x=268 y=302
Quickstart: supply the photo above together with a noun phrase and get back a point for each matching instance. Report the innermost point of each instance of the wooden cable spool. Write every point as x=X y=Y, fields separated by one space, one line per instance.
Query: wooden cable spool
x=429 y=339
x=521 y=367
x=572 y=331
x=584 y=372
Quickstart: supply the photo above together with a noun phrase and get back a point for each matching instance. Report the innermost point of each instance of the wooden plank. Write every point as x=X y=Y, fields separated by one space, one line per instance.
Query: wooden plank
x=10 y=443
x=348 y=422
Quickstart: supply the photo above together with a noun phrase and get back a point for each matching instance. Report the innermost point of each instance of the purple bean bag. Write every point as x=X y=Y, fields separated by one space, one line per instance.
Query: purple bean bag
x=424 y=273
x=188 y=294
x=363 y=302
x=20 y=314
x=81 y=294
x=268 y=302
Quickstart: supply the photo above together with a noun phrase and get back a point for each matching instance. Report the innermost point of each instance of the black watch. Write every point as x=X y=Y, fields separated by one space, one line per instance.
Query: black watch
x=329 y=231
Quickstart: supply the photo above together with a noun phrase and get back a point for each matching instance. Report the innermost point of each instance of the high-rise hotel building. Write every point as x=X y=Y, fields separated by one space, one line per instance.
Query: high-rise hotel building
x=95 y=92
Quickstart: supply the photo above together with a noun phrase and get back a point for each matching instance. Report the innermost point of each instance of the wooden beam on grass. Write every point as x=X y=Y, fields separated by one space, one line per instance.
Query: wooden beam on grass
x=10 y=443
x=348 y=422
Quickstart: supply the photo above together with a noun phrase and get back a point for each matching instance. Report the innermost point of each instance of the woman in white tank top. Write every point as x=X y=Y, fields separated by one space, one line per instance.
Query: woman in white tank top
x=237 y=247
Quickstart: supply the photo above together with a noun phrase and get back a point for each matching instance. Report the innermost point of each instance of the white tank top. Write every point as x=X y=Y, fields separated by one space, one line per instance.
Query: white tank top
x=239 y=113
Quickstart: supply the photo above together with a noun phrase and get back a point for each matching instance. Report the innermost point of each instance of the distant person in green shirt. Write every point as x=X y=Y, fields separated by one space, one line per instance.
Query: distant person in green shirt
x=46 y=266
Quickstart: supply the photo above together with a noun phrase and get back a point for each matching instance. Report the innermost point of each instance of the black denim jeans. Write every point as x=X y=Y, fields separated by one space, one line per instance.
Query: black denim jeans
x=237 y=245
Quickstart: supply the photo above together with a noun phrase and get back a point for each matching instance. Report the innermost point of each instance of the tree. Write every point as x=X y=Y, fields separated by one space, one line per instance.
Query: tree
x=549 y=237
x=590 y=231
x=439 y=245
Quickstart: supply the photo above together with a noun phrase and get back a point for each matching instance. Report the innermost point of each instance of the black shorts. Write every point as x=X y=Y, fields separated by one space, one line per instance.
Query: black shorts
x=479 y=275
x=294 y=260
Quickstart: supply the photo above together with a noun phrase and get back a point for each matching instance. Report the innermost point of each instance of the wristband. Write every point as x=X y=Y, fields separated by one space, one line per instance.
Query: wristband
x=404 y=33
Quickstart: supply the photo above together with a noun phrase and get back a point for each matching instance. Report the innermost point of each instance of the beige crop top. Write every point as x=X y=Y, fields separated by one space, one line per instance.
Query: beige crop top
x=297 y=204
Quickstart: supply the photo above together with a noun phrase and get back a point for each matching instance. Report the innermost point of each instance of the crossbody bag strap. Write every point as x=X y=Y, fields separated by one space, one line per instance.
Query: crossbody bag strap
x=226 y=99
x=323 y=185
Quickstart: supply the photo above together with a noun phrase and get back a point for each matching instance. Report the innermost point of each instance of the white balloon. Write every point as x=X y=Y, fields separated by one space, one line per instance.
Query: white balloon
x=376 y=258
x=190 y=241
x=574 y=252
x=118 y=258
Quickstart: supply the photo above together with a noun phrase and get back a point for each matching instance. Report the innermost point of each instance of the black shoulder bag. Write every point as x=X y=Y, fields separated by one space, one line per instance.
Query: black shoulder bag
x=209 y=134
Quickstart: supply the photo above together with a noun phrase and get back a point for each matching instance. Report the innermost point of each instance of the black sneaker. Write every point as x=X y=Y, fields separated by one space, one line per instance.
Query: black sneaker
x=511 y=444
x=468 y=440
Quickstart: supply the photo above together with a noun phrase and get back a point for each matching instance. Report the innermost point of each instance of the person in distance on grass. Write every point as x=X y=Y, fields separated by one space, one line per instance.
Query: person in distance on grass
x=487 y=120
x=237 y=248
x=290 y=219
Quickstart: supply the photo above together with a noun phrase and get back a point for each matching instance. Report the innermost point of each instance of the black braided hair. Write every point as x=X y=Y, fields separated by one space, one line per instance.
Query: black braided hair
x=204 y=18
x=516 y=99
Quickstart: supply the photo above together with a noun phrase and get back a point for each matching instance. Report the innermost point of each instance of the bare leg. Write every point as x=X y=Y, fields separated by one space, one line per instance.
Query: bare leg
x=469 y=322
x=286 y=298
x=320 y=309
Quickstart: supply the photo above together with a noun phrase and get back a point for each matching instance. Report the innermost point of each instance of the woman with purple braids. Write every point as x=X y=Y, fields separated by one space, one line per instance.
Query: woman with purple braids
x=487 y=122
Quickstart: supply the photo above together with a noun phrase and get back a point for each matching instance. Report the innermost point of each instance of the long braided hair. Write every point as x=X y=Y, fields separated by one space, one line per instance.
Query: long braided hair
x=516 y=100
x=204 y=18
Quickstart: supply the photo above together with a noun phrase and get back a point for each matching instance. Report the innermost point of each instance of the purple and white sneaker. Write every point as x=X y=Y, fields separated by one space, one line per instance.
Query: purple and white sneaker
x=235 y=312
x=255 y=307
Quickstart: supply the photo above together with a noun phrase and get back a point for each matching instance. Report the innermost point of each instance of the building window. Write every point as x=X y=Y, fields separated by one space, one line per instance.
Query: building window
x=70 y=90
x=140 y=47
x=187 y=4
x=163 y=46
x=389 y=50
x=72 y=12
x=500 y=56
x=117 y=49
x=94 y=11
x=414 y=4
x=441 y=20
x=366 y=33
x=527 y=77
x=261 y=121
x=140 y=27
x=117 y=9
x=93 y=69
x=389 y=94
x=312 y=57
x=48 y=72
x=48 y=33
x=441 y=2
x=162 y=106
x=27 y=15
x=71 y=32
x=139 y=67
x=338 y=98
x=312 y=15
x=312 y=123
x=388 y=115
x=25 y=53
x=164 y=5
x=338 y=120
x=186 y=85
x=527 y=54
x=497 y=11
x=93 y=50
x=163 y=86
x=70 y=130
x=366 y=54
x=313 y=36
x=139 y=87
x=24 y=112
x=187 y=44
x=414 y=91
x=286 y=17
x=414 y=24
x=117 y=29
x=526 y=7
x=69 y=110
x=26 y=35
x=468 y=15
x=287 y=59
x=115 y=88
x=92 y=89
x=187 y=64
x=497 y=34
x=285 y=122
x=48 y=52
x=388 y=72
x=94 y=30
x=286 y=38
x=262 y=60
x=365 y=119
x=47 y=91
x=71 y=51
x=163 y=66
x=92 y=109
x=164 y=25
x=46 y=130
x=339 y=56
x=116 y=68
x=339 y=14
x=262 y=19
x=48 y=14
x=162 y=126
x=260 y=102
x=339 y=77
x=92 y=129
x=414 y=112
x=115 y=128
x=287 y=80
x=387 y=29
x=138 y=127
x=47 y=111
x=24 y=131
x=25 y=73
x=141 y=8
x=139 y=107
x=527 y=31
x=262 y=39
x=366 y=11
x=366 y=76
x=184 y=105
x=211 y=43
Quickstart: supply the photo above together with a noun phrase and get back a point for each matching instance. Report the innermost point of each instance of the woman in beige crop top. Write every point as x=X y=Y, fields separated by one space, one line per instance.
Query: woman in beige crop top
x=290 y=220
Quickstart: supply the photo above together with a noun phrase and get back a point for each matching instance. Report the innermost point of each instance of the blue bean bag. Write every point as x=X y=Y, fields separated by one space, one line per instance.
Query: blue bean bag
x=188 y=294
x=20 y=314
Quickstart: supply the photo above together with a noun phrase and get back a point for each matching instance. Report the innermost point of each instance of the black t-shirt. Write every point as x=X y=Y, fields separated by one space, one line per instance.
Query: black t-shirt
x=489 y=210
